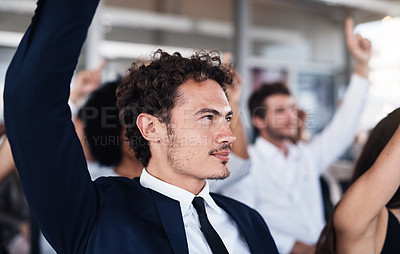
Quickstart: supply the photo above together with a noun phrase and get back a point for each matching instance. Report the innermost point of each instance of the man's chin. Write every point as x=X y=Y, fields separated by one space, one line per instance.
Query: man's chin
x=289 y=135
x=220 y=176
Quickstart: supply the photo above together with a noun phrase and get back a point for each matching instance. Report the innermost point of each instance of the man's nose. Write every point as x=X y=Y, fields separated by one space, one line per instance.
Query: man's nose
x=225 y=134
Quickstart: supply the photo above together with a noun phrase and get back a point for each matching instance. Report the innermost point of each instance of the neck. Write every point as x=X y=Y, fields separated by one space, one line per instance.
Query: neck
x=128 y=167
x=171 y=176
x=280 y=143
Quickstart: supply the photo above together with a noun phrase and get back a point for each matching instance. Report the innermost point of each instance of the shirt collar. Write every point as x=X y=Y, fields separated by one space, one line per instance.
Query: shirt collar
x=184 y=197
x=266 y=147
x=205 y=194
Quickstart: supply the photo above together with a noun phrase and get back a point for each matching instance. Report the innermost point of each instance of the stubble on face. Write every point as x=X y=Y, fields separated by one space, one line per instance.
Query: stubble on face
x=280 y=124
x=178 y=157
x=226 y=173
x=276 y=134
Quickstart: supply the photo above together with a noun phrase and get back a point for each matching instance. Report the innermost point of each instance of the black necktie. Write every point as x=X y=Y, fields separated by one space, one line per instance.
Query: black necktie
x=212 y=237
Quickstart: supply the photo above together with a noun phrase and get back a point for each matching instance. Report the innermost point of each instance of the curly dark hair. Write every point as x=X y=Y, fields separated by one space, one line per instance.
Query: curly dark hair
x=153 y=89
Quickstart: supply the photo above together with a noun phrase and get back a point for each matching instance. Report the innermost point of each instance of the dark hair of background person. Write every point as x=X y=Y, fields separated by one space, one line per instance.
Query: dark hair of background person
x=256 y=101
x=102 y=127
x=153 y=89
x=2 y=129
x=377 y=140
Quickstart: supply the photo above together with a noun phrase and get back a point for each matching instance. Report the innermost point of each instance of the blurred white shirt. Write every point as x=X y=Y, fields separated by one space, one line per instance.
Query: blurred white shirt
x=286 y=191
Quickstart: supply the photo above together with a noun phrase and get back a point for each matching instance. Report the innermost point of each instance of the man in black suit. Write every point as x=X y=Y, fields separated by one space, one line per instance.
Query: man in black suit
x=177 y=119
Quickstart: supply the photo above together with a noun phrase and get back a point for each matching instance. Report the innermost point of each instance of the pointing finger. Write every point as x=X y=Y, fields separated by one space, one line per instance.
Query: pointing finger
x=349 y=27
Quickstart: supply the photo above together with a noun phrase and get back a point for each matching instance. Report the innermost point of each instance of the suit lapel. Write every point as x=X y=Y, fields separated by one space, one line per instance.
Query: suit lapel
x=240 y=219
x=170 y=214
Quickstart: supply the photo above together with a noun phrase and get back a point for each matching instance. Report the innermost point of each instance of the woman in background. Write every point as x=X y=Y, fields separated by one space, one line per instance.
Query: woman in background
x=367 y=218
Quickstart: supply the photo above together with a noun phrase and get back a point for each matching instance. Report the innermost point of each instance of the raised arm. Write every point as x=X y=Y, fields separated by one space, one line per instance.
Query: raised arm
x=239 y=147
x=359 y=48
x=239 y=163
x=46 y=151
x=340 y=131
x=361 y=214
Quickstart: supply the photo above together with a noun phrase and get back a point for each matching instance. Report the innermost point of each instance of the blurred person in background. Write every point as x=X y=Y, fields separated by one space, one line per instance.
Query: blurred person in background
x=14 y=210
x=105 y=136
x=367 y=218
x=284 y=180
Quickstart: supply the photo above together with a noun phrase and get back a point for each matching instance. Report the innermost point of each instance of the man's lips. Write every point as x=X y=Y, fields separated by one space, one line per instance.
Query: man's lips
x=223 y=156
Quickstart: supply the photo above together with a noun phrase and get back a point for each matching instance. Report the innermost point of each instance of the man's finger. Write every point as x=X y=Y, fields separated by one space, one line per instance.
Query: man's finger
x=349 y=27
x=227 y=58
x=101 y=65
x=366 y=44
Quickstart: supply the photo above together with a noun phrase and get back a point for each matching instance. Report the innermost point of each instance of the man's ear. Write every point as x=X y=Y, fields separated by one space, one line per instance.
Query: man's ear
x=258 y=122
x=149 y=127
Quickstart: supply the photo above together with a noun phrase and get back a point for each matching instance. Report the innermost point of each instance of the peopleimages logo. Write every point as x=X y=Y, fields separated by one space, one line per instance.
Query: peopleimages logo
x=108 y=140
x=186 y=141
x=110 y=116
x=311 y=118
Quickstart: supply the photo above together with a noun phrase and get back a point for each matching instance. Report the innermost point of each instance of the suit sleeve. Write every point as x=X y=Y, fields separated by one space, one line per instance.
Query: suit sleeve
x=45 y=147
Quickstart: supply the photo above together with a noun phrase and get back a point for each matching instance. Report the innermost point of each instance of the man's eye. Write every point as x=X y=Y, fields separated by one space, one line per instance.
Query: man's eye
x=279 y=110
x=208 y=117
x=228 y=119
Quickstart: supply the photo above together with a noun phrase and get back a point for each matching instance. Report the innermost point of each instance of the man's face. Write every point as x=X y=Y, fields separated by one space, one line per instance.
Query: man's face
x=199 y=137
x=281 y=119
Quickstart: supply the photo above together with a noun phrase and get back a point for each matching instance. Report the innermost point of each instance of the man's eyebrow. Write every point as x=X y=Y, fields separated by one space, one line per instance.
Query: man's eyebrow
x=208 y=110
x=212 y=111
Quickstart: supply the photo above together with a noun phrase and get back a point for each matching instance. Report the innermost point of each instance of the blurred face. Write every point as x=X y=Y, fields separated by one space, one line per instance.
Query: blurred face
x=280 y=118
x=199 y=138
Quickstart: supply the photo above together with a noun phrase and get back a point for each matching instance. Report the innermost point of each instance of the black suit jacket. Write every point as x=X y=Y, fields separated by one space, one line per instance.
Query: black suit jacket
x=110 y=215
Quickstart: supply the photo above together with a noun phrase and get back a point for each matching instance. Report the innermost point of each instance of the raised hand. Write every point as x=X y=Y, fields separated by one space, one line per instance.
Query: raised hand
x=86 y=82
x=359 y=47
x=234 y=90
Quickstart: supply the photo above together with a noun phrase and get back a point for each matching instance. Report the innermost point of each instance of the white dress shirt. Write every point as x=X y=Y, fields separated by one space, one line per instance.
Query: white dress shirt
x=286 y=190
x=97 y=170
x=225 y=226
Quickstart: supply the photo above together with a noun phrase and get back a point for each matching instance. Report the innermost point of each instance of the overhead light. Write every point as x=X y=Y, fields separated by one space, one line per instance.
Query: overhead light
x=387 y=18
